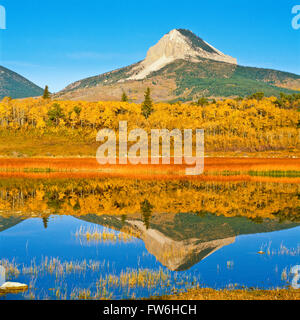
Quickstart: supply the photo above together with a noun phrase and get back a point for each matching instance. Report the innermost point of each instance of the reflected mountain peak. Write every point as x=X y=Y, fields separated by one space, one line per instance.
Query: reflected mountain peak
x=186 y=239
x=177 y=255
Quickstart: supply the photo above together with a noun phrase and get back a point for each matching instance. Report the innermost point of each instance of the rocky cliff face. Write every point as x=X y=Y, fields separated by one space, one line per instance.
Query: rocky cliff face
x=178 y=44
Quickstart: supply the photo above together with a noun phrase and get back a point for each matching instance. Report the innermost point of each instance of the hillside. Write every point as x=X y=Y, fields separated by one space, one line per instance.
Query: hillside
x=182 y=66
x=15 y=86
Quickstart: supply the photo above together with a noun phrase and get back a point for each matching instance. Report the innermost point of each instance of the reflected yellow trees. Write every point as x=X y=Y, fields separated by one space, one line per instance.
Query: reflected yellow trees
x=121 y=197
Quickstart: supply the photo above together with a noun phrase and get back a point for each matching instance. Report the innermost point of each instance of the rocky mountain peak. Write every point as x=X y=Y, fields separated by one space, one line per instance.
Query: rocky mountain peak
x=175 y=45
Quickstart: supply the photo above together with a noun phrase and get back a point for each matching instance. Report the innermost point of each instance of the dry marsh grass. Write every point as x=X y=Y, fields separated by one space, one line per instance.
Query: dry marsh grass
x=96 y=234
x=211 y=294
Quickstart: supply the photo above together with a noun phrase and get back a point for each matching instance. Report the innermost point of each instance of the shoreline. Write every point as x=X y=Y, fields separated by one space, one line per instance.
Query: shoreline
x=236 y=294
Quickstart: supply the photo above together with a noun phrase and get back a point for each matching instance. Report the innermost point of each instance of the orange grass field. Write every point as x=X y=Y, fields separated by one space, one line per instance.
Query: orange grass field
x=89 y=167
x=211 y=164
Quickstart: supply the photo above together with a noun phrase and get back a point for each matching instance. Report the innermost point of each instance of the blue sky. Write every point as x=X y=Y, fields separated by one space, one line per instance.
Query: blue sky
x=56 y=42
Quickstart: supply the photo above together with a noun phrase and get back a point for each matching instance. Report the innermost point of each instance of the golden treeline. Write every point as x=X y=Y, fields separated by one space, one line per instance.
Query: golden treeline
x=118 y=196
x=230 y=125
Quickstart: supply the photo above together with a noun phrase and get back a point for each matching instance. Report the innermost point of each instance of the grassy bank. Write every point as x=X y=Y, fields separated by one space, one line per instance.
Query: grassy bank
x=57 y=145
x=211 y=294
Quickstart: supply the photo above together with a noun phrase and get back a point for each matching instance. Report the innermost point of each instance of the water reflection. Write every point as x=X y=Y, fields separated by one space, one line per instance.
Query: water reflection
x=115 y=196
x=181 y=229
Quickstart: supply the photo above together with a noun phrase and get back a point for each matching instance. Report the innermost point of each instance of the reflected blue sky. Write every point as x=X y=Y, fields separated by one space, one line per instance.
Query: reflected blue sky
x=237 y=263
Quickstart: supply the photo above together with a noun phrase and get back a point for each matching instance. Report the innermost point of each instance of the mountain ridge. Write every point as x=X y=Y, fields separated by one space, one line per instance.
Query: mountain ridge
x=182 y=66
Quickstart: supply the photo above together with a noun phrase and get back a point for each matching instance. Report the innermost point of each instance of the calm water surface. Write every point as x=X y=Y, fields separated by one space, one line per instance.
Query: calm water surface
x=117 y=239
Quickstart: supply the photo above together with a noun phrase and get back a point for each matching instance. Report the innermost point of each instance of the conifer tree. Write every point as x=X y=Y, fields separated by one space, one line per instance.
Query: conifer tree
x=146 y=208
x=45 y=222
x=147 y=106
x=46 y=94
x=124 y=97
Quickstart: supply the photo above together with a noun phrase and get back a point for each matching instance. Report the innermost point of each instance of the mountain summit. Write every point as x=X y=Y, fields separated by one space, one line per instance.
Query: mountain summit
x=182 y=67
x=178 y=44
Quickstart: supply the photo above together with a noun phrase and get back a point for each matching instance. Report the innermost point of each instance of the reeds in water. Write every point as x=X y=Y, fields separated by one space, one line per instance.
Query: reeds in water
x=96 y=234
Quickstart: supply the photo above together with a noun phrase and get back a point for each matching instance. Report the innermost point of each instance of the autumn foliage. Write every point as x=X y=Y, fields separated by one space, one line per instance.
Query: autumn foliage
x=250 y=125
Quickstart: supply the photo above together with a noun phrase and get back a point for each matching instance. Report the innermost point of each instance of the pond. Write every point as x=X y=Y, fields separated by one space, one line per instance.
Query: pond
x=119 y=238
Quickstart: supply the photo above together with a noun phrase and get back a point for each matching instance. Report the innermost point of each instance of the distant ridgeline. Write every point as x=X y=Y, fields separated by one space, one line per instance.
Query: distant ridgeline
x=216 y=79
